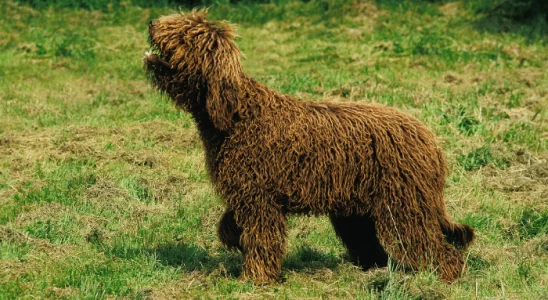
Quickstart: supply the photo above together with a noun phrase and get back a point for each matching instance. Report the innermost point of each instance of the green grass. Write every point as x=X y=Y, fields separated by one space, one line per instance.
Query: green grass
x=103 y=188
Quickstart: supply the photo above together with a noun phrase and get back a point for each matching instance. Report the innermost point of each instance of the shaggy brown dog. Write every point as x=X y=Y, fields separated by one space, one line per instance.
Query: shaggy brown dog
x=375 y=171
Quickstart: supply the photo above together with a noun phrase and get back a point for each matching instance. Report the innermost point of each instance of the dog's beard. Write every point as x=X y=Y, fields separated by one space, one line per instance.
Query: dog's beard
x=159 y=71
x=161 y=77
x=172 y=83
x=155 y=56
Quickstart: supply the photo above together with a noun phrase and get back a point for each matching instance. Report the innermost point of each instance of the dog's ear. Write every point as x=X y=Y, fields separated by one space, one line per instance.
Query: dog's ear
x=223 y=73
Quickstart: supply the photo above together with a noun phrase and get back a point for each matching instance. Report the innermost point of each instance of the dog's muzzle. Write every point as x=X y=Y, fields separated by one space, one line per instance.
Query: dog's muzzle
x=149 y=56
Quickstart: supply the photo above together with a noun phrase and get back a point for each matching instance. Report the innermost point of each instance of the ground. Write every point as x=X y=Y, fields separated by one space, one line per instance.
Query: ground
x=103 y=190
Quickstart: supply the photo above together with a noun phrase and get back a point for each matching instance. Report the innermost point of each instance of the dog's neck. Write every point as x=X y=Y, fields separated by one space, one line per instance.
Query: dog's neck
x=250 y=103
x=212 y=138
x=255 y=96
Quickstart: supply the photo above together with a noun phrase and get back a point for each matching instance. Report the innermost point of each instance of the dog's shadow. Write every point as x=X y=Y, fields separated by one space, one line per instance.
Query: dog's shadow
x=306 y=258
x=191 y=257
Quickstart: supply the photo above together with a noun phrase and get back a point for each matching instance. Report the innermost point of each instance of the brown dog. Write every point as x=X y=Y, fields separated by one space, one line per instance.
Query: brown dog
x=375 y=171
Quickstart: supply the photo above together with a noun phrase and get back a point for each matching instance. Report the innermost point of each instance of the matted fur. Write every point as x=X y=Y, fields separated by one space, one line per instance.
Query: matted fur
x=378 y=173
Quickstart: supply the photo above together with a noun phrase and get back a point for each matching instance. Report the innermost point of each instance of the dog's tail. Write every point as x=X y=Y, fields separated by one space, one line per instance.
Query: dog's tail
x=460 y=235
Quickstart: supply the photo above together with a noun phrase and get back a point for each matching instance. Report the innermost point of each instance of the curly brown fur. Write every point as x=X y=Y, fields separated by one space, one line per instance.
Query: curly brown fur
x=376 y=171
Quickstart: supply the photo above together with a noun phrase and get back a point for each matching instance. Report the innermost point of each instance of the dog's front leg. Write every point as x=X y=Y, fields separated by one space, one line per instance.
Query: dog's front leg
x=229 y=232
x=264 y=230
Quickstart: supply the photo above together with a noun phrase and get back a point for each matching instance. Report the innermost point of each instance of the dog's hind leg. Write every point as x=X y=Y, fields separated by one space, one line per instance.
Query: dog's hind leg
x=415 y=240
x=264 y=231
x=229 y=232
x=359 y=235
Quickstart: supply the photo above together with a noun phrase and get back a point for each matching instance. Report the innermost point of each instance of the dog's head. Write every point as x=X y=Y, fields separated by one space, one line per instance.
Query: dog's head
x=195 y=61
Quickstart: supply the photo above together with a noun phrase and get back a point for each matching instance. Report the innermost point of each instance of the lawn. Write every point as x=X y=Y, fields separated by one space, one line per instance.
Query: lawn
x=103 y=187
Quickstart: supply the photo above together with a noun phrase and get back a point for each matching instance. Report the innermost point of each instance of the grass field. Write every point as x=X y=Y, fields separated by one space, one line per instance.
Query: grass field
x=103 y=190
